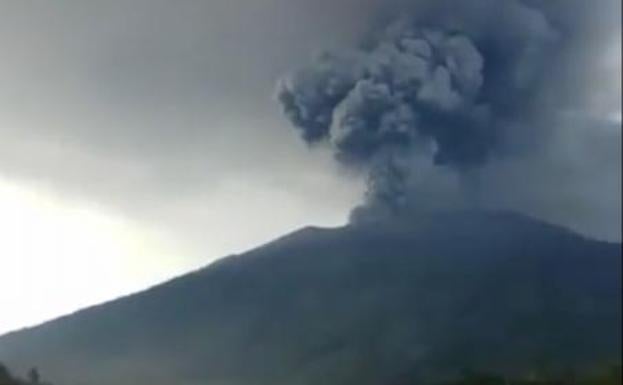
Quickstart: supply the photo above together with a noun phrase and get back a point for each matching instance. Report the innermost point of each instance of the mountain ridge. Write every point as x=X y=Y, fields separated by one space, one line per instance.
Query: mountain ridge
x=327 y=303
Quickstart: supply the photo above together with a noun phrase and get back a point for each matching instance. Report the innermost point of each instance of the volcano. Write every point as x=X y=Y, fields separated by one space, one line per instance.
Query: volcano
x=386 y=302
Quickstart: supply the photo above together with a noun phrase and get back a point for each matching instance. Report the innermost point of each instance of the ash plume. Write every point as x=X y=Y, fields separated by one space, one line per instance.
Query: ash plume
x=443 y=84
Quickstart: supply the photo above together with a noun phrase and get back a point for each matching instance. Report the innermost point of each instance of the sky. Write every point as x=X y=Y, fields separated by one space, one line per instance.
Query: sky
x=141 y=139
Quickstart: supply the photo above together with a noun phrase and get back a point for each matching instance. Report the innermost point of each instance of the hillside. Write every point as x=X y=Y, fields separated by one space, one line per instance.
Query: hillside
x=378 y=303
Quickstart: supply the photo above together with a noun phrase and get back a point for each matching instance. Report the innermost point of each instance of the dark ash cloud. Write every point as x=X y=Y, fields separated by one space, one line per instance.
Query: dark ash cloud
x=463 y=86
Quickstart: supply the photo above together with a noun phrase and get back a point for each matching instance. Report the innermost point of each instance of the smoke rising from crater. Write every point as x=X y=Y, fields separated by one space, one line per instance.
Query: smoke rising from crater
x=445 y=84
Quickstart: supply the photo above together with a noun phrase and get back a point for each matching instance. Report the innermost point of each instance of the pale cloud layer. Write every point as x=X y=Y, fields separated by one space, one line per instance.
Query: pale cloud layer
x=164 y=112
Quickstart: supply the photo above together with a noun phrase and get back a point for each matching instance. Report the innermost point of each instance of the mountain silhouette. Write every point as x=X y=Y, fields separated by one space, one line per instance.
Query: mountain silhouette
x=390 y=302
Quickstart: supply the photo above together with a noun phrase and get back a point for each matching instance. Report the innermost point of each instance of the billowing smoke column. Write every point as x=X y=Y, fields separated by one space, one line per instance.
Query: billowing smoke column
x=449 y=85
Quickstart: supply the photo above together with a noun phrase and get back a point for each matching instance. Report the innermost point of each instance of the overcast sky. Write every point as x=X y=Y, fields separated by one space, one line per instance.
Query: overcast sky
x=140 y=139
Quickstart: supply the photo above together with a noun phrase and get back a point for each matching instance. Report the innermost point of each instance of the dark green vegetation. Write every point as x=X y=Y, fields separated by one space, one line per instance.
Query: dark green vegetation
x=7 y=378
x=384 y=303
x=610 y=375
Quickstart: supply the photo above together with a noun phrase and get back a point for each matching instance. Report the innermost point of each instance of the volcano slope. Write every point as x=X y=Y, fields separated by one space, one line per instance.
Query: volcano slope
x=380 y=303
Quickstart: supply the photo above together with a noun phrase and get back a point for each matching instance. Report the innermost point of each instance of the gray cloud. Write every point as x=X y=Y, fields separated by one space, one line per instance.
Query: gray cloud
x=159 y=110
x=163 y=111
x=485 y=85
